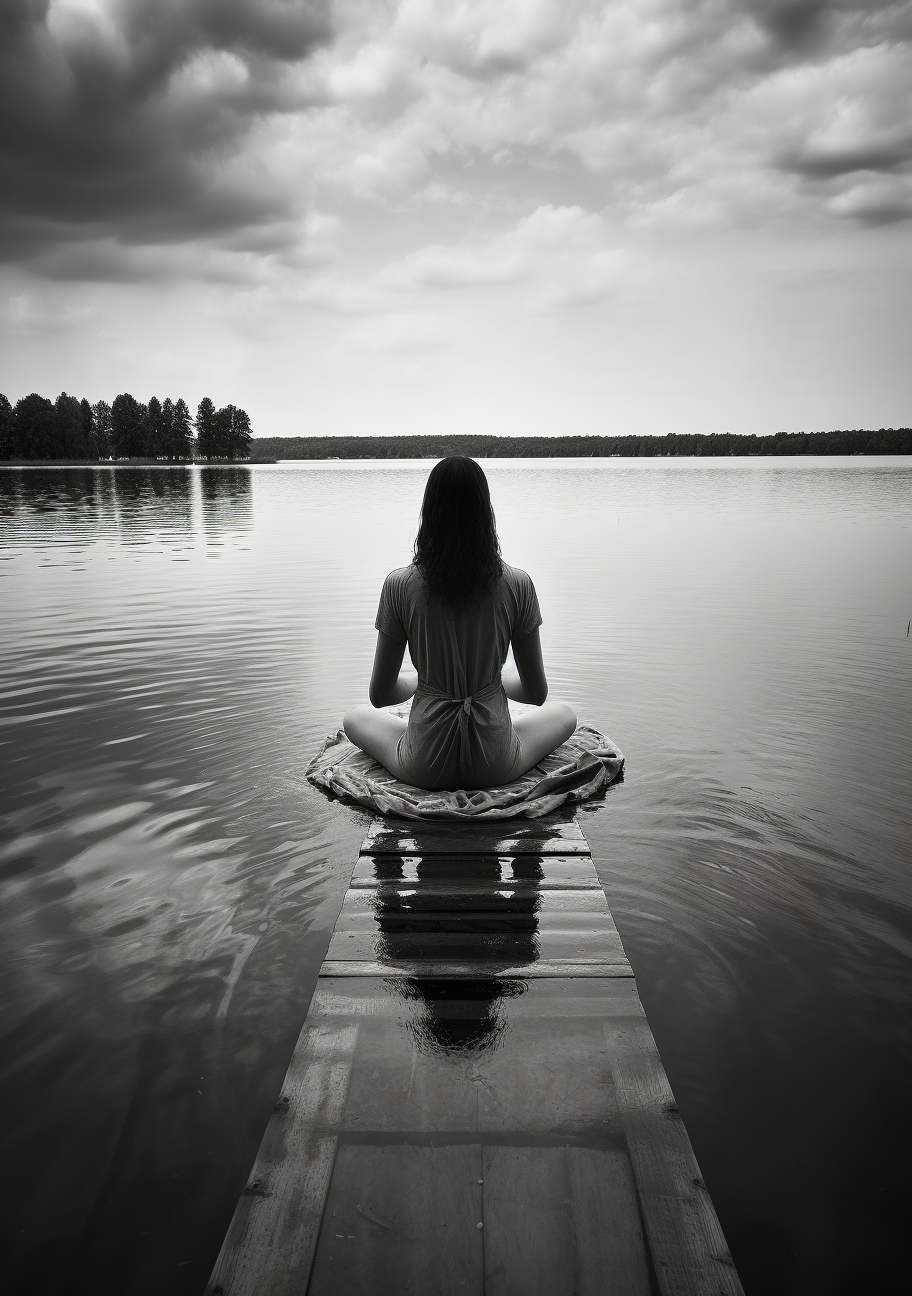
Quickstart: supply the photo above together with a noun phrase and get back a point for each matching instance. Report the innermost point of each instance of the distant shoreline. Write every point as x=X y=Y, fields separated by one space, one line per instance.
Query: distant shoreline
x=699 y=445
x=263 y=450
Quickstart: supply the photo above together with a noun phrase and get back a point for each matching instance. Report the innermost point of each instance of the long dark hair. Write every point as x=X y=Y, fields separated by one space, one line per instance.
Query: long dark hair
x=456 y=549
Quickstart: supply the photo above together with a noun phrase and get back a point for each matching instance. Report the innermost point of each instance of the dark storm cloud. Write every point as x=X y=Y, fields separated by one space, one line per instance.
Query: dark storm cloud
x=884 y=212
x=791 y=24
x=99 y=135
x=829 y=164
x=799 y=27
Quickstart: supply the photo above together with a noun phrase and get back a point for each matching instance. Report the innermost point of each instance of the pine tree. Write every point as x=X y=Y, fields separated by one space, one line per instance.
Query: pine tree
x=167 y=429
x=68 y=417
x=127 y=427
x=206 y=429
x=7 y=429
x=87 y=429
x=36 y=428
x=182 y=431
x=154 y=432
x=103 y=429
x=239 y=447
x=222 y=437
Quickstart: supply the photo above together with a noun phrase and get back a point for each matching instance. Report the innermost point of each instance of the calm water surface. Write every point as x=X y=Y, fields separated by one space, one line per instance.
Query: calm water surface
x=175 y=644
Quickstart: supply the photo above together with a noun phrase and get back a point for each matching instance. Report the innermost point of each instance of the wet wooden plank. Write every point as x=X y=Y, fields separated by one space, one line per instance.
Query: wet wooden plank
x=270 y=1243
x=392 y=925
x=528 y=1213
x=469 y=871
x=611 y=1252
x=591 y=940
x=512 y=837
x=455 y=1059
x=563 y=1221
x=541 y=969
x=402 y=1218
x=373 y=997
x=393 y=902
x=688 y=1247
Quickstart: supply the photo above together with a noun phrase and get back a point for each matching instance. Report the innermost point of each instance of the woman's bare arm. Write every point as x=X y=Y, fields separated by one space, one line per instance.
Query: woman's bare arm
x=527 y=683
x=388 y=684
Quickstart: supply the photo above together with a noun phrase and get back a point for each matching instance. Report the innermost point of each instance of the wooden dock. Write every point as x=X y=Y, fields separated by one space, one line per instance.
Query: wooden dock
x=475 y=1103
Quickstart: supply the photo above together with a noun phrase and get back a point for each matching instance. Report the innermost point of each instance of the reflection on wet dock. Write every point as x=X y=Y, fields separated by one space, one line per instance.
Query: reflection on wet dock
x=475 y=1103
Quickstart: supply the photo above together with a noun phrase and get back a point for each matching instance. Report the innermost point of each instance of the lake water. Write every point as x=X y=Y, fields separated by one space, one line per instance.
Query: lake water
x=175 y=644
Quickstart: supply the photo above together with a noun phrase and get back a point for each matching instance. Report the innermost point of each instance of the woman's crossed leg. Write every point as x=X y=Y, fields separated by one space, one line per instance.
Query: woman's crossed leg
x=377 y=731
x=540 y=729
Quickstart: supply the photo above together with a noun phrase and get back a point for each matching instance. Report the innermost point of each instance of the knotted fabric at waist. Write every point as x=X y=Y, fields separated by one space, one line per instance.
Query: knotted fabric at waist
x=465 y=705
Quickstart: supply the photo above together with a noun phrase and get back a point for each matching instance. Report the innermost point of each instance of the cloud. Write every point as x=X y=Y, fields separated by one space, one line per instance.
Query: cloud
x=869 y=155
x=704 y=111
x=792 y=24
x=561 y=257
x=135 y=131
x=876 y=201
x=129 y=118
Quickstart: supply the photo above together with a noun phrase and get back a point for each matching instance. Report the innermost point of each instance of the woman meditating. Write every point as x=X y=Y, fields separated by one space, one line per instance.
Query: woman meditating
x=458 y=606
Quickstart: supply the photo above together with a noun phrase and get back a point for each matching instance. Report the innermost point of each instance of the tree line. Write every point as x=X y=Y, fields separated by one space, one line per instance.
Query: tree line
x=882 y=441
x=68 y=428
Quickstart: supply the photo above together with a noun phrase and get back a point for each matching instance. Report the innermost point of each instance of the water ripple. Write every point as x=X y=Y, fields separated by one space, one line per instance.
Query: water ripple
x=178 y=641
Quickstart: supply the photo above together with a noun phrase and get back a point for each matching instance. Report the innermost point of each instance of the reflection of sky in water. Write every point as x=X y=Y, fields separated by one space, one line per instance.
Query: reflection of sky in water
x=175 y=644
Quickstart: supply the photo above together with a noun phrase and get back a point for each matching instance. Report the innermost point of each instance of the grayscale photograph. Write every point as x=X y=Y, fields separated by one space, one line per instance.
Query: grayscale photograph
x=455 y=647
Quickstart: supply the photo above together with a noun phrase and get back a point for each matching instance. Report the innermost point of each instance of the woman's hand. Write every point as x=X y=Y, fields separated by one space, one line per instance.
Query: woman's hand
x=388 y=683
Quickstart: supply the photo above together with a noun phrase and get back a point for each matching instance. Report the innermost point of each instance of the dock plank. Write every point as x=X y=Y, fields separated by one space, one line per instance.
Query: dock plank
x=544 y=871
x=512 y=837
x=528 y=1213
x=385 y=904
x=402 y=1218
x=539 y=970
x=687 y=1243
x=592 y=941
x=563 y=1221
x=270 y=1244
x=564 y=872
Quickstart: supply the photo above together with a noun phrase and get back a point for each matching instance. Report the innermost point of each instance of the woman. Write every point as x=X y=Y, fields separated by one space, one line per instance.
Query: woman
x=458 y=606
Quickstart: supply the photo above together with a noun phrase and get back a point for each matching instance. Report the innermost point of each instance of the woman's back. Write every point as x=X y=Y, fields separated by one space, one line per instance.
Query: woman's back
x=459 y=731
x=457 y=651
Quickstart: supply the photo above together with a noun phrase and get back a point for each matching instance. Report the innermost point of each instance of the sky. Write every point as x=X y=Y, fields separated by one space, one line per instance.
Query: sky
x=498 y=216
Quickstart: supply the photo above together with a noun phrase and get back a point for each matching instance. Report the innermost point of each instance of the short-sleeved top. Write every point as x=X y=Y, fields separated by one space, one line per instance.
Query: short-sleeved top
x=459 y=733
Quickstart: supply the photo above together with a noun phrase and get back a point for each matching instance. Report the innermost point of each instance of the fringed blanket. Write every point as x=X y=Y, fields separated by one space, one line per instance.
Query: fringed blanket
x=580 y=767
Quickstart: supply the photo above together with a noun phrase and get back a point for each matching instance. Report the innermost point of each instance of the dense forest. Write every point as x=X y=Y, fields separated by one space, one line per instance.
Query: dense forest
x=72 y=429
x=883 y=441
x=67 y=428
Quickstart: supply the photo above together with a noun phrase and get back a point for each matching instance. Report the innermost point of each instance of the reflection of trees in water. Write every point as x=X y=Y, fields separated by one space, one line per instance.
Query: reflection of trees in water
x=56 y=504
x=498 y=927
x=10 y=492
x=154 y=502
x=141 y=504
x=227 y=494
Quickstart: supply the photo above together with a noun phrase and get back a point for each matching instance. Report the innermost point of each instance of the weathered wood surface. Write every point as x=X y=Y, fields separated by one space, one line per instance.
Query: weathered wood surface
x=449 y=969
x=475 y=1103
x=466 y=871
x=545 y=836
